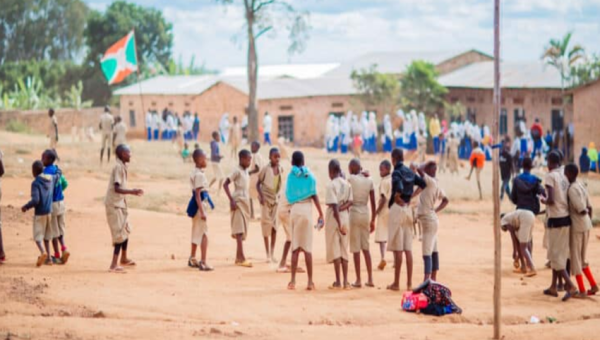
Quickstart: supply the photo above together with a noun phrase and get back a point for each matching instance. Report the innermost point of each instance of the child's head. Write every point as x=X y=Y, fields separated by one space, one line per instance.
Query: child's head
x=274 y=156
x=385 y=167
x=255 y=146
x=36 y=168
x=123 y=153
x=117 y=119
x=50 y=112
x=397 y=155
x=475 y=144
x=503 y=225
x=199 y=158
x=571 y=171
x=334 y=168
x=553 y=160
x=196 y=146
x=298 y=159
x=354 y=166
x=430 y=169
x=48 y=157
x=234 y=119
x=215 y=136
x=185 y=146
x=527 y=164
x=245 y=158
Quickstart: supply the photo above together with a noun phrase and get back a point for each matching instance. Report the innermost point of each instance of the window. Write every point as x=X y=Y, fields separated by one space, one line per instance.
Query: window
x=132 y=118
x=503 y=122
x=153 y=103
x=334 y=105
x=557 y=101
x=286 y=127
x=470 y=99
x=558 y=120
x=519 y=115
x=453 y=100
x=286 y=107
x=518 y=101
x=130 y=103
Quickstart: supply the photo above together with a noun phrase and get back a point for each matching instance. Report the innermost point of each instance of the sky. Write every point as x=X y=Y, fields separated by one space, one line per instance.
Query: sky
x=344 y=29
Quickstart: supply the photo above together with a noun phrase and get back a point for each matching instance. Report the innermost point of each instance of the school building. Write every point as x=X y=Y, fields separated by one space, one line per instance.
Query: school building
x=300 y=105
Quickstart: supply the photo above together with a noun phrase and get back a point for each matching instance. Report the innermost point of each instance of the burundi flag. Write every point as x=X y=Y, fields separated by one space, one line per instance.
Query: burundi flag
x=120 y=60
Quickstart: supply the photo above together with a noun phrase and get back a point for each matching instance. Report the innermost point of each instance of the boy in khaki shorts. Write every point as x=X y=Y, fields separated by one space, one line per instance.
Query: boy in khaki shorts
x=427 y=215
x=400 y=226
x=362 y=221
x=41 y=201
x=116 y=209
x=239 y=202
x=338 y=198
x=199 y=184
x=58 y=207
x=383 y=211
x=268 y=185
x=106 y=129
x=581 y=213
x=558 y=224
x=520 y=225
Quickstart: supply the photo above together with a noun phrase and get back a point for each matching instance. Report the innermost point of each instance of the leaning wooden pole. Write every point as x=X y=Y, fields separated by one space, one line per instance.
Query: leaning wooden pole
x=495 y=180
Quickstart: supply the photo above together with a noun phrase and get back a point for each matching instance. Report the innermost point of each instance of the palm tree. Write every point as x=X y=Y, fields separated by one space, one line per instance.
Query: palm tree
x=562 y=57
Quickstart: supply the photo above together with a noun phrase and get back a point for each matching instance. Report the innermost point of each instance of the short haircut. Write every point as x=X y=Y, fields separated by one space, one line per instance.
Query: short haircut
x=554 y=158
x=297 y=158
x=334 y=165
x=255 y=143
x=51 y=111
x=120 y=149
x=398 y=154
x=354 y=162
x=244 y=153
x=215 y=134
x=198 y=153
x=50 y=155
x=572 y=169
x=527 y=163
x=273 y=151
x=37 y=167
x=387 y=164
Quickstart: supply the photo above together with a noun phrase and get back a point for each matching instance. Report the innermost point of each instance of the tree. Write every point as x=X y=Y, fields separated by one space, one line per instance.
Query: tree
x=585 y=72
x=153 y=34
x=262 y=16
x=561 y=56
x=41 y=29
x=376 y=89
x=177 y=68
x=419 y=88
x=455 y=112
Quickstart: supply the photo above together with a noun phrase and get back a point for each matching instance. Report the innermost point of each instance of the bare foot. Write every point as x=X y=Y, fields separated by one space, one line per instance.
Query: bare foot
x=394 y=287
x=128 y=262
x=310 y=286
x=369 y=284
x=117 y=270
x=357 y=284
x=291 y=286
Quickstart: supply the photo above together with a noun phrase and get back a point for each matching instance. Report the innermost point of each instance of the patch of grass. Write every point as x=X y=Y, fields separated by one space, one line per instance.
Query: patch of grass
x=17 y=126
x=22 y=152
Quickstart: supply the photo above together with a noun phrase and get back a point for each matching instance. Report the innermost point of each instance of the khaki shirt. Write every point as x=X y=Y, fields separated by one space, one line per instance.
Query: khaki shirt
x=53 y=127
x=118 y=175
x=361 y=189
x=198 y=179
x=429 y=196
x=338 y=192
x=106 y=123
x=519 y=218
x=241 y=181
x=120 y=131
x=257 y=161
x=270 y=183
x=578 y=202
x=559 y=182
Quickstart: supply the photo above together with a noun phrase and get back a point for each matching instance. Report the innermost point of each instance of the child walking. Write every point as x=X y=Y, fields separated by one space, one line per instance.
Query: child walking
x=301 y=191
x=199 y=186
x=57 y=219
x=400 y=226
x=383 y=211
x=215 y=160
x=427 y=216
x=255 y=166
x=268 y=185
x=116 y=209
x=581 y=223
x=362 y=221
x=41 y=201
x=239 y=202
x=337 y=221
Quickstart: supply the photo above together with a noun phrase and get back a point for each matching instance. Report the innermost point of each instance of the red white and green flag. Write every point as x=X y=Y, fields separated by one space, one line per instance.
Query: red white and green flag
x=120 y=60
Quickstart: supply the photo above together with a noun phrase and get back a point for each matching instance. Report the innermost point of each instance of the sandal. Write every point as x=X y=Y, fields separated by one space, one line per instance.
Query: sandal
x=550 y=293
x=245 y=263
x=393 y=288
x=291 y=286
x=117 y=270
x=65 y=257
x=205 y=267
x=192 y=262
x=311 y=287
x=355 y=285
x=569 y=294
x=335 y=286
x=370 y=285
x=347 y=286
x=128 y=263
x=382 y=265
x=284 y=270
x=40 y=260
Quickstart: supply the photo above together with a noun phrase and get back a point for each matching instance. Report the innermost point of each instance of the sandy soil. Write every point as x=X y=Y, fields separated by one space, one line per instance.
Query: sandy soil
x=164 y=299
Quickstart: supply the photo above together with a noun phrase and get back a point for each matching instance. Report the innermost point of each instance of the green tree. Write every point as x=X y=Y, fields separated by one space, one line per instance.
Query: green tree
x=178 y=68
x=57 y=76
x=376 y=89
x=419 y=88
x=41 y=29
x=586 y=72
x=261 y=17
x=154 y=42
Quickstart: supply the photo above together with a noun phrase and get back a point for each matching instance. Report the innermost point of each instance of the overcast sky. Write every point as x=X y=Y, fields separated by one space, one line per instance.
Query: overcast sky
x=343 y=29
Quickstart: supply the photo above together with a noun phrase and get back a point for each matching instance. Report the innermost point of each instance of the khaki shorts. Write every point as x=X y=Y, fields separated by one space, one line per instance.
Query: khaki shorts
x=53 y=142
x=283 y=213
x=107 y=140
x=558 y=247
x=199 y=229
x=400 y=228
x=268 y=219
x=42 y=231
x=359 y=231
x=429 y=224
x=57 y=221
x=336 y=244
x=381 y=231
x=301 y=220
x=579 y=244
x=118 y=224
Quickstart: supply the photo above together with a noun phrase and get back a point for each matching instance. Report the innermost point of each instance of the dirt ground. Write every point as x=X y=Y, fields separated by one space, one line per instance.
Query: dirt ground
x=164 y=299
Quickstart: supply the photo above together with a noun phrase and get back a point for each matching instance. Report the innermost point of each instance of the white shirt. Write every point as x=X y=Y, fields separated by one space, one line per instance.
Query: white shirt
x=267 y=124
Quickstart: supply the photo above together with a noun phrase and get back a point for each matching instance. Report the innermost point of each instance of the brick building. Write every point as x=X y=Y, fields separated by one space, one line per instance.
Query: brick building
x=586 y=107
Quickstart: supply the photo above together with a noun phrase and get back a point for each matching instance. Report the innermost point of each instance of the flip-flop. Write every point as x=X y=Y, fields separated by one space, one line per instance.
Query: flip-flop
x=203 y=267
x=392 y=288
x=531 y=273
x=244 y=264
x=117 y=270
x=347 y=286
x=370 y=285
x=550 y=293
x=283 y=270
x=65 y=257
x=382 y=265
x=129 y=263
x=334 y=286
x=192 y=263
x=516 y=264
x=291 y=286
x=569 y=294
x=40 y=260
x=354 y=285
x=311 y=287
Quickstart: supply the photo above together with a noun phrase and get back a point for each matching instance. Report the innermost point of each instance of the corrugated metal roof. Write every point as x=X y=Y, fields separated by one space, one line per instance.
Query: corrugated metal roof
x=300 y=71
x=392 y=62
x=170 y=85
x=512 y=75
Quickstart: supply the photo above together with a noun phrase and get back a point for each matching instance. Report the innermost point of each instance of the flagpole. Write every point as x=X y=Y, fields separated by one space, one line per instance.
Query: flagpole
x=138 y=74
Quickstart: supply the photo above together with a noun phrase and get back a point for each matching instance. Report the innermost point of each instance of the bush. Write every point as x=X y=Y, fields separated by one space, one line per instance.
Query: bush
x=17 y=126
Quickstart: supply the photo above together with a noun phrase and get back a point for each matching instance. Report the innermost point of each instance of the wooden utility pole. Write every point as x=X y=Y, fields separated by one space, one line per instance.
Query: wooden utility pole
x=495 y=179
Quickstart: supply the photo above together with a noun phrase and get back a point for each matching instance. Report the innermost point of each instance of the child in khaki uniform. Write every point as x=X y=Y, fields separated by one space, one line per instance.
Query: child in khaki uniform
x=116 y=208
x=383 y=211
x=53 y=129
x=268 y=185
x=256 y=165
x=427 y=215
x=362 y=221
x=520 y=225
x=239 y=202
x=338 y=198
x=581 y=213
x=106 y=128
x=198 y=185
x=41 y=201
x=558 y=225
x=215 y=161
x=400 y=226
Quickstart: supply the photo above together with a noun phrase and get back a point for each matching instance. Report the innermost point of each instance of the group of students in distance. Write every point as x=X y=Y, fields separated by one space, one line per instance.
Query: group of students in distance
x=567 y=225
x=352 y=214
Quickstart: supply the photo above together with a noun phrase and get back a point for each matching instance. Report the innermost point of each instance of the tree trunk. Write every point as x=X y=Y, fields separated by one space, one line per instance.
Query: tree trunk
x=252 y=67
